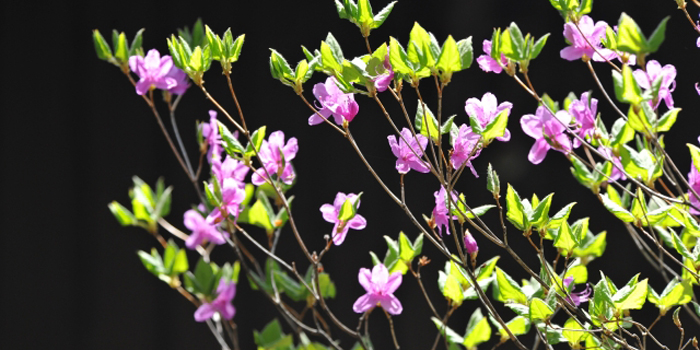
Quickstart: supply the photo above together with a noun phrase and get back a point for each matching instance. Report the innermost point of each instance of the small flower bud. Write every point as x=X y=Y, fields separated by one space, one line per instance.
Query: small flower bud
x=470 y=243
x=423 y=261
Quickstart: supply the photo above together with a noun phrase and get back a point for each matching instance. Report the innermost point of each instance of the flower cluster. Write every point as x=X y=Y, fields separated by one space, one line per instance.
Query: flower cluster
x=334 y=102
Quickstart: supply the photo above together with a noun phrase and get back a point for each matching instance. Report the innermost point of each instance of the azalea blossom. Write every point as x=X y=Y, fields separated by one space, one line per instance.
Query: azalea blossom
x=486 y=110
x=202 y=231
x=382 y=81
x=156 y=72
x=276 y=155
x=232 y=195
x=487 y=63
x=577 y=298
x=580 y=47
x=380 y=288
x=333 y=102
x=230 y=168
x=464 y=144
x=616 y=174
x=221 y=304
x=441 y=215
x=654 y=72
x=470 y=243
x=694 y=182
x=331 y=212
x=210 y=132
x=584 y=111
x=549 y=132
x=407 y=159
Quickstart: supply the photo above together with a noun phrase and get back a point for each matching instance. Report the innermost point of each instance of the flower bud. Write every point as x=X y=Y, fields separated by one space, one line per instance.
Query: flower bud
x=470 y=243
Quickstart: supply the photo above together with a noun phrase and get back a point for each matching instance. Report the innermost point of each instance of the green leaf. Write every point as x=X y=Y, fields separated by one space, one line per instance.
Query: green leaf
x=406 y=252
x=515 y=212
x=497 y=127
x=466 y=52
x=630 y=37
x=365 y=15
x=539 y=45
x=123 y=215
x=632 y=296
x=451 y=336
x=121 y=50
x=620 y=212
x=667 y=120
x=493 y=184
x=565 y=239
x=594 y=247
x=279 y=67
x=234 y=52
x=626 y=88
x=675 y=293
x=152 y=262
x=257 y=139
x=398 y=58
x=695 y=155
x=478 y=330
x=101 y=47
x=204 y=274
x=195 y=62
x=540 y=216
x=622 y=133
x=419 y=47
x=657 y=37
x=506 y=289
x=272 y=337
x=215 y=44
x=450 y=59
x=451 y=289
x=539 y=310
x=380 y=17
x=574 y=334
x=518 y=326
x=426 y=122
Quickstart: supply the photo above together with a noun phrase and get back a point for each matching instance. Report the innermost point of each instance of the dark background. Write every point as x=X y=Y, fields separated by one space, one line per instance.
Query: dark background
x=74 y=133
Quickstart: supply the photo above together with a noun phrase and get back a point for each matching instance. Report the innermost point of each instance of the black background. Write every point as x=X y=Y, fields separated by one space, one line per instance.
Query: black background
x=74 y=133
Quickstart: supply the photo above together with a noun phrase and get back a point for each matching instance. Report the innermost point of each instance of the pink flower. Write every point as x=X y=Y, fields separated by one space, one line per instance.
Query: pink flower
x=577 y=298
x=156 y=72
x=584 y=111
x=333 y=102
x=202 y=231
x=210 y=132
x=548 y=132
x=580 y=48
x=232 y=195
x=380 y=287
x=382 y=81
x=230 y=168
x=275 y=156
x=654 y=72
x=407 y=160
x=441 y=215
x=486 y=110
x=616 y=174
x=470 y=243
x=694 y=182
x=221 y=304
x=488 y=64
x=331 y=213
x=464 y=144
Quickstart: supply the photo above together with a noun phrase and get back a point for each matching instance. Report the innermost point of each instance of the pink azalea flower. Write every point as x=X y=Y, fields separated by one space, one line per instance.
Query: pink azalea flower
x=579 y=48
x=577 y=298
x=667 y=74
x=380 y=288
x=156 y=72
x=486 y=110
x=232 y=195
x=276 y=155
x=470 y=243
x=464 y=144
x=230 y=168
x=382 y=81
x=333 y=102
x=201 y=230
x=210 y=132
x=548 y=132
x=221 y=304
x=694 y=182
x=331 y=212
x=407 y=160
x=488 y=64
x=584 y=111
x=441 y=215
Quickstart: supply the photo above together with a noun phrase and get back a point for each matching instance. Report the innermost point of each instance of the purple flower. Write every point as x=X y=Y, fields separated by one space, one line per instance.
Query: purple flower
x=548 y=132
x=464 y=144
x=232 y=195
x=210 y=132
x=275 y=156
x=221 y=304
x=441 y=215
x=694 y=182
x=654 y=72
x=408 y=160
x=577 y=298
x=382 y=81
x=486 y=110
x=579 y=46
x=488 y=64
x=333 y=102
x=616 y=174
x=230 y=168
x=584 y=111
x=156 y=72
x=380 y=287
x=470 y=243
x=201 y=230
x=331 y=213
